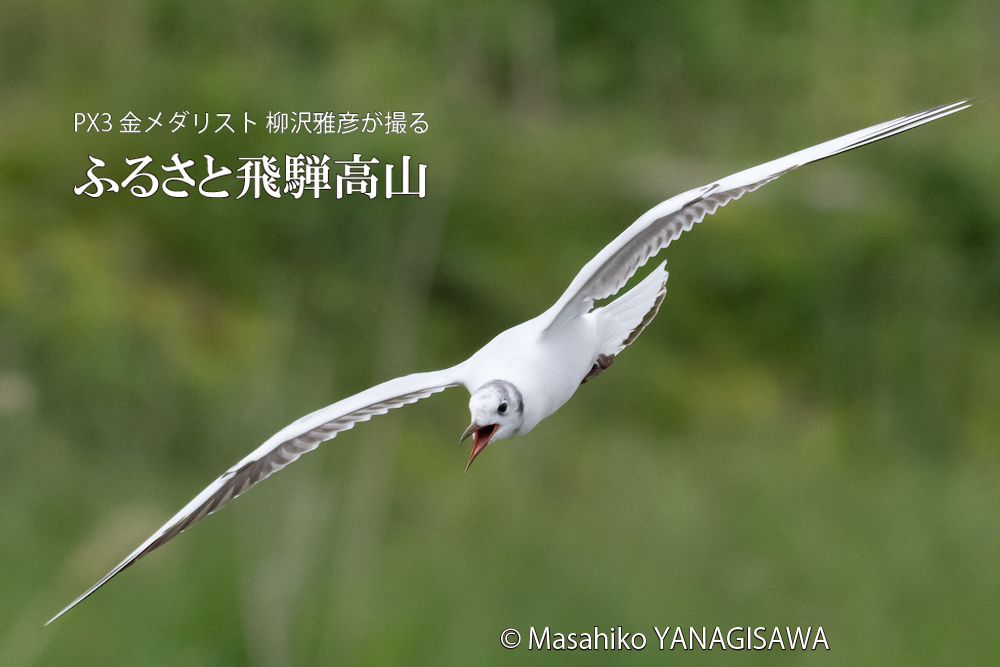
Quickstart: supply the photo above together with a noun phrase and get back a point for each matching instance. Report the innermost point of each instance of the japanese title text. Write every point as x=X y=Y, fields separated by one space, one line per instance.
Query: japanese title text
x=260 y=175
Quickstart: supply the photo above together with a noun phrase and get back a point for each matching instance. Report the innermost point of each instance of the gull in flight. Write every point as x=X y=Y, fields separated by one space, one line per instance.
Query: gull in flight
x=529 y=371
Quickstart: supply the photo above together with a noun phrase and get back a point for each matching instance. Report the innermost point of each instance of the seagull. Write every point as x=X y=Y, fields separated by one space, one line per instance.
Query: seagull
x=529 y=371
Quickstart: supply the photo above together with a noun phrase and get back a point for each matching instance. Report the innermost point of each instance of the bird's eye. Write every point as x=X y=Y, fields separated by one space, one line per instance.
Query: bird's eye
x=503 y=408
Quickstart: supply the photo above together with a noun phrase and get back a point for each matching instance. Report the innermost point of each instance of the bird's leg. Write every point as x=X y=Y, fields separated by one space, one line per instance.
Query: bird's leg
x=603 y=362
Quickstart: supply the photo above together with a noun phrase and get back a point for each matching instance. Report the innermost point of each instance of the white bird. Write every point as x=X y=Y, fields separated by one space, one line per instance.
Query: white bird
x=529 y=371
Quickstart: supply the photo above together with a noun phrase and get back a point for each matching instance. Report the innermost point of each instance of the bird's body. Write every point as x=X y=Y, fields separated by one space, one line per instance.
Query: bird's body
x=546 y=367
x=529 y=371
x=547 y=358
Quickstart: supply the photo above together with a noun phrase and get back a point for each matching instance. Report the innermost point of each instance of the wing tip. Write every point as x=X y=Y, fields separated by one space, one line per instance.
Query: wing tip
x=49 y=622
x=90 y=591
x=948 y=109
x=70 y=606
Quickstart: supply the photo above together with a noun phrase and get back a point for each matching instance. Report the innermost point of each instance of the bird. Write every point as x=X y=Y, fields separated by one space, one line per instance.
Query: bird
x=529 y=371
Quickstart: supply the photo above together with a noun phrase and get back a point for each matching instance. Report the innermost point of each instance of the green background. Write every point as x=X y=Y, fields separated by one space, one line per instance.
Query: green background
x=806 y=435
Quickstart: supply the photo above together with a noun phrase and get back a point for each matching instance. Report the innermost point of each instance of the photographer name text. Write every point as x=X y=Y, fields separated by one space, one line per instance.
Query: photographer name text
x=671 y=638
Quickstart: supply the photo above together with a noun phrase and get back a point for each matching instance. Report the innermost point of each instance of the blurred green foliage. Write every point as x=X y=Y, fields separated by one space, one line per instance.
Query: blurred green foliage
x=807 y=435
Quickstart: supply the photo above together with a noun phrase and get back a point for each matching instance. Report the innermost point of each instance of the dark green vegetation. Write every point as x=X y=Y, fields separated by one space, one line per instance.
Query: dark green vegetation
x=807 y=434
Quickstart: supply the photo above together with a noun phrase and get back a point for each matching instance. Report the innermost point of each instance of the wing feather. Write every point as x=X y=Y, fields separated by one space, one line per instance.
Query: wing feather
x=284 y=447
x=657 y=228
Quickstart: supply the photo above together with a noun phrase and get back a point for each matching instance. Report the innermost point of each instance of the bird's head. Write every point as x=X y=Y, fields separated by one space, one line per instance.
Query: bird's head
x=497 y=413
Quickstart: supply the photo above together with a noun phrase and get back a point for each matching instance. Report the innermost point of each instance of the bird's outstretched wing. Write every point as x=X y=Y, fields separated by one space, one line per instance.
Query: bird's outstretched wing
x=284 y=447
x=656 y=228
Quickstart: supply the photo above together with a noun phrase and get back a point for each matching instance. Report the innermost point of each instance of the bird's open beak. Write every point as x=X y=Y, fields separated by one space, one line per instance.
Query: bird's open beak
x=480 y=438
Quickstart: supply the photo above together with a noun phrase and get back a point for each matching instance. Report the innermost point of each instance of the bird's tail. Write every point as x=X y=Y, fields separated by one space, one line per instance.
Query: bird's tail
x=622 y=320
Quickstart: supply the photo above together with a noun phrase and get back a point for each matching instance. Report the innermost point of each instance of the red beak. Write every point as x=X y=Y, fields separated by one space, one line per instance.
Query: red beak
x=480 y=438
